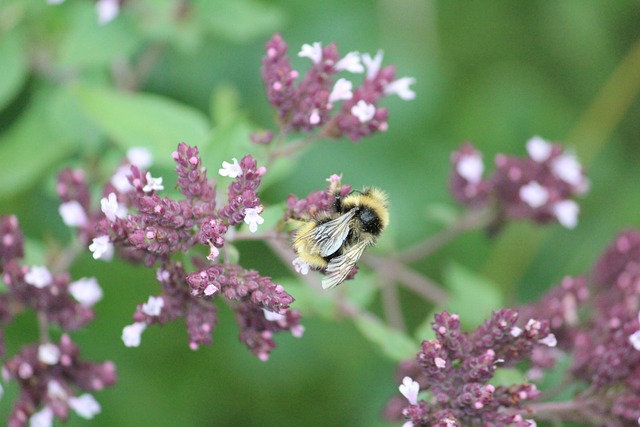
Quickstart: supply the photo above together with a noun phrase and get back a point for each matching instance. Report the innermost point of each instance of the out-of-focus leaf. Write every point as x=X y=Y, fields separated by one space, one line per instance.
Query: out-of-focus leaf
x=66 y=119
x=362 y=290
x=239 y=20
x=143 y=120
x=13 y=67
x=29 y=150
x=87 y=43
x=507 y=377
x=473 y=297
x=308 y=300
x=424 y=331
x=393 y=343
x=441 y=213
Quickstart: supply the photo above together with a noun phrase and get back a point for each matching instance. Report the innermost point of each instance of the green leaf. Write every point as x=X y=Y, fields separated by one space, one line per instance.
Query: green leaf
x=239 y=20
x=143 y=120
x=424 y=331
x=362 y=290
x=87 y=43
x=29 y=150
x=473 y=297
x=13 y=57
x=507 y=377
x=393 y=343
x=310 y=301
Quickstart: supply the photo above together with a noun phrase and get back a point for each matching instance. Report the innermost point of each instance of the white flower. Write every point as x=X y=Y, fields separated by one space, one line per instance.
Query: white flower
x=56 y=391
x=253 y=218
x=231 y=170
x=634 y=339
x=566 y=211
x=350 y=63
x=107 y=10
x=273 y=317
x=301 y=266
x=55 y=1
x=550 y=340
x=153 y=184
x=314 y=117
x=408 y=424
x=401 y=88
x=140 y=157
x=86 y=291
x=363 y=111
x=568 y=168
x=109 y=206
x=39 y=277
x=153 y=306
x=211 y=289
x=49 y=354
x=73 y=214
x=120 y=179
x=471 y=167
x=311 y=51
x=534 y=194
x=85 y=405
x=440 y=362
x=409 y=389
x=539 y=149
x=102 y=248
x=515 y=331
x=43 y=418
x=1 y=391
x=341 y=91
x=131 y=334
x=372 y=64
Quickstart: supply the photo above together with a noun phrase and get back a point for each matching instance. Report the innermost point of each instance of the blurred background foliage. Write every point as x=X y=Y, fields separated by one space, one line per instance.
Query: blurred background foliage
x=75 y=93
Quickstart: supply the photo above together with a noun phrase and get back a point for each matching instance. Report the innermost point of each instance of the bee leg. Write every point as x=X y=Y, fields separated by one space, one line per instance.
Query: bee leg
x=337 y=203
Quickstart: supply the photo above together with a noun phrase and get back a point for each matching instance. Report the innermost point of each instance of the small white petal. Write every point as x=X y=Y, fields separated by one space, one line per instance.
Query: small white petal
x=372 y=64
x=515 y=331
x=409 y=389
x=401 y=88
x=153 y=306
x=550 y=340
x=102 y=248
x=109 y=206
x=43 y=418
x=39 y=277
x=140 y=157
x=210 y=290
x=273 y=317
x=350 y=63
x=471 y=168
x=86 y=291
x=253 y=218
x=49 y=354
x=534 y=194
x=131 y=334
x=56 y=391
x=539 y=149
x=232 y=170
x=341 y=91
x=107 y=10
x=408 y=424
x=314 y=117
x=153 y=184
x=120 y=179
x=566 y=211
x=311 y=51
x=301 y=266
x=363 y=111
x=440 y=362
x=634 y=339
x=568 y=168
x=85 y=405
x=54 y=2
x=73 y=214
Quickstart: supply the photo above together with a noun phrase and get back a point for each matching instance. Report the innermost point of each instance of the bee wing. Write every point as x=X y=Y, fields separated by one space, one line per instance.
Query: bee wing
x=341 y=266
x=327 y=238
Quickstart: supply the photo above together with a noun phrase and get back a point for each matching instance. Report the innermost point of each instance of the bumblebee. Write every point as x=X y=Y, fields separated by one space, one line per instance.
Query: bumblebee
x=334 y=241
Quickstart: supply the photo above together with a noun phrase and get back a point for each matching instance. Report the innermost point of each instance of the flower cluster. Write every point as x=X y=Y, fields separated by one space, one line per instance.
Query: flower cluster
x=310 y=103
x=49 y=375
x=454 y=369
x=141 y=226
x=540 y=186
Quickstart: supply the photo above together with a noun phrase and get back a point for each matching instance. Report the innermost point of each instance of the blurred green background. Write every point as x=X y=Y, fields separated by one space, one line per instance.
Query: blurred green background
x=495 y=73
